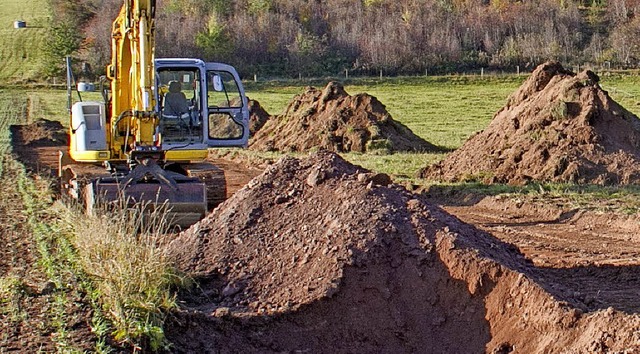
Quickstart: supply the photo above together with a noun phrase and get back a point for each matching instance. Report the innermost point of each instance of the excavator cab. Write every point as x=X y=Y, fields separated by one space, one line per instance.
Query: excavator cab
x=179 y=107
x=200 y=105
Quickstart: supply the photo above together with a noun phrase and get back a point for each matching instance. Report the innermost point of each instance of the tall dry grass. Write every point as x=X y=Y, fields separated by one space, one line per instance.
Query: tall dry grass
x=120 y=249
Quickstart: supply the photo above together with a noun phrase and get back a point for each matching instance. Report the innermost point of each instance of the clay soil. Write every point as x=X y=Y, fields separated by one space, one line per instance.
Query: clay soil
x=558 y=126
x=318 y=255
x=334 y=120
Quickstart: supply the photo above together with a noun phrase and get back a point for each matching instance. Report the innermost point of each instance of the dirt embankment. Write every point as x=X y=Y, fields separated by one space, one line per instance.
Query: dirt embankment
x=37 y=145
x=317 y=253
x=559 y=127
x=334 y=120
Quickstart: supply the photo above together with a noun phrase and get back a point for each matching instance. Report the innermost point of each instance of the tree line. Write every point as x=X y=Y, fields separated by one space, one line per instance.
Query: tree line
x=327 y=37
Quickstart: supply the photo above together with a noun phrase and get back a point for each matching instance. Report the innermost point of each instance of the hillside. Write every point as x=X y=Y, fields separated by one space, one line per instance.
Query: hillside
x=301 y=38
x=20 y=49
x=298 y=38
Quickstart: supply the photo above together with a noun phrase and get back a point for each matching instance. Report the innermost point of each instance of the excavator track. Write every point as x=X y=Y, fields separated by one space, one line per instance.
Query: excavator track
x=214 y=179
x=185 y=196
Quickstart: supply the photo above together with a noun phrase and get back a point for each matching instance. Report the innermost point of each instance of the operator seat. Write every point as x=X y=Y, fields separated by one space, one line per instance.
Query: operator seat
x=175 y=122
x=175 y=102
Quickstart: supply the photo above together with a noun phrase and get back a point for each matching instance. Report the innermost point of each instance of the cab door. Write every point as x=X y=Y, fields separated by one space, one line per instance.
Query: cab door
x=227 y=112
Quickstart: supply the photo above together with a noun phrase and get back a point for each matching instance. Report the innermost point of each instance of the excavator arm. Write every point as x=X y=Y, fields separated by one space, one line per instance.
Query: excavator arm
x=131 y=72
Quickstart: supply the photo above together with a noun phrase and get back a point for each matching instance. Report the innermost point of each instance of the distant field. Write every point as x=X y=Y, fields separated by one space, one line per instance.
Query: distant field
x=624 y=89
x=20 y=54
x=443 y=110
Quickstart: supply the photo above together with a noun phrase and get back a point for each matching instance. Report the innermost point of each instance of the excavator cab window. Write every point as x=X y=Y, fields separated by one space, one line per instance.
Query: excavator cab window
x=224 y=101
x=179 y=97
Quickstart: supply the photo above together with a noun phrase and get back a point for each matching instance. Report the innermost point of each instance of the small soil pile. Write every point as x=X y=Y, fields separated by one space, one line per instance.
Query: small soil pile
x=332 y=119
x=559 y=127
x=318 y=255
x=258 y=116
x=37 y=145
x=42 y=132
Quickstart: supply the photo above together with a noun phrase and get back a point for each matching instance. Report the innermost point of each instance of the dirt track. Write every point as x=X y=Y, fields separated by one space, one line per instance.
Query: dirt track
x=594 y=255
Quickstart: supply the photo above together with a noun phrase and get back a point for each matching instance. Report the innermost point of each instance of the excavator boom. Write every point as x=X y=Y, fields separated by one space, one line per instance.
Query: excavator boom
x=131 y=72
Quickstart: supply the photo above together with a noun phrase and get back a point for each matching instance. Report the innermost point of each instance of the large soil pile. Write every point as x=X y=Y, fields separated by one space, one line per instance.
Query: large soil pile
x=558 y=126
x=318 y=255
x=332 y=119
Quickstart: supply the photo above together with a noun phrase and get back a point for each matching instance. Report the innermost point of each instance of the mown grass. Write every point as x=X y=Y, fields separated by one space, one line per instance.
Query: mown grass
x=20 y=49
x=624 y=89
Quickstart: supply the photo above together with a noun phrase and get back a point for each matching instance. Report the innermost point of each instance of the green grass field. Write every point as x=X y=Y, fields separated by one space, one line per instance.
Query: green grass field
x=443 y=110
x=20 y=54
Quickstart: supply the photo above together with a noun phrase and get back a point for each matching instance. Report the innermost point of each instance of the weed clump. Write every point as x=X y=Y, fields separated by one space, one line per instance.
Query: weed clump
x=120 y=249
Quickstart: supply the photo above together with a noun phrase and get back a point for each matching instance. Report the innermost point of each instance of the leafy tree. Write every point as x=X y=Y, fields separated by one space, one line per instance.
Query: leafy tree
x=288 y=37
x=65 y=39
x=625 y=41
x=214 y=41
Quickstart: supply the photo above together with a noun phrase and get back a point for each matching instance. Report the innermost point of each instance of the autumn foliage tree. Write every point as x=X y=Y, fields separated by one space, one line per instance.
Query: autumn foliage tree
x=315 y=38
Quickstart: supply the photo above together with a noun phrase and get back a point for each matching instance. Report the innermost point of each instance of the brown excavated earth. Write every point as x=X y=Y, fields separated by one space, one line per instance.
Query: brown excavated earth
x=37 y=144
x=558 y=126
x=258 y=117
x=334 y=120
x=580 y=270
x=318 y=255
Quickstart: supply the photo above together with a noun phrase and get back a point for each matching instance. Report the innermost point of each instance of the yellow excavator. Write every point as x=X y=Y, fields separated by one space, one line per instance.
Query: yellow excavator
x=147 y=141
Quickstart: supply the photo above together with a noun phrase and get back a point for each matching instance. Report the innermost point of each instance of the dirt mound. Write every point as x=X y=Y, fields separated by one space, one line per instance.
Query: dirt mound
x=258 y=117
x=334 y=120
x=559 y=127
x=318 y=255
x=42 y=132
x=37 y=145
